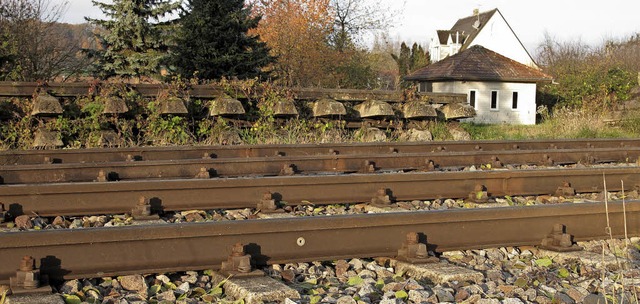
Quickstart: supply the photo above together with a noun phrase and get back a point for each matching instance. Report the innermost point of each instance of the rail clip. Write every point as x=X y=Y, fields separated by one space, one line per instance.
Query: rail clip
x=559 y=241
x=28 y=279
x=479 y=194
x=414 y=252
x=381 y=199
x=565 y=190
x=238 y=264
x=268 y=204
x=142 y=211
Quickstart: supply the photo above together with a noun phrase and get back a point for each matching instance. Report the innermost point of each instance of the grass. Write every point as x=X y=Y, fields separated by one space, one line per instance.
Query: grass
x=564 y=123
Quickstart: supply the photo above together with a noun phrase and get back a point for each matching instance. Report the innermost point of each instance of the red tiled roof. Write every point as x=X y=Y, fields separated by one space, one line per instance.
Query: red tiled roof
x=478 y=64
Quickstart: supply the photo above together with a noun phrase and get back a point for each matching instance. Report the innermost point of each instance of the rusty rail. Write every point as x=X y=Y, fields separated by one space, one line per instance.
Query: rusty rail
x=99 y=252
x=25 y=157
x=204 y=194
x=306 y=165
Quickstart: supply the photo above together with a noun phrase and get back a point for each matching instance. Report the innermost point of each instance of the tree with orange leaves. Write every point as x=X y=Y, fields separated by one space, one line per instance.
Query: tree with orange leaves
x=317 y=42
x=297 y=32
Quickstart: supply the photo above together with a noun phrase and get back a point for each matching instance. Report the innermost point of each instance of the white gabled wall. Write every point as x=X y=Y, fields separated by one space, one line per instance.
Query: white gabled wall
x=497 y=36
x=525 y=114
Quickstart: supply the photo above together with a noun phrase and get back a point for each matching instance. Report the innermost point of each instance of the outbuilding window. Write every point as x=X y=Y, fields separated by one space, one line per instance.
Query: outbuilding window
x=514 y=101
x=472 y=98
x=494 y=100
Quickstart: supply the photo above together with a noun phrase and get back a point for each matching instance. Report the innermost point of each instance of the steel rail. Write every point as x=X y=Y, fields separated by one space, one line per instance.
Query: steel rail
x=97 y=252
x=289 y=165
x=206 y=194
x=25 y=157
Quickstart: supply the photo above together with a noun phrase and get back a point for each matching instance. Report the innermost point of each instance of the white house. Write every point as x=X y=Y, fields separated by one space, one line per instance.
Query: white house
x=500 y=89
x=489 y=29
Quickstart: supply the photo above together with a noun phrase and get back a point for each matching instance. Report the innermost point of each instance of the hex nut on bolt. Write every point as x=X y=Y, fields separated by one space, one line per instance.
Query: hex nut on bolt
x=203 y=173
x=102 y=177
x=238 y=263
x=413 y=251
x=28 y=279
x=559 y=241
x=142 y=210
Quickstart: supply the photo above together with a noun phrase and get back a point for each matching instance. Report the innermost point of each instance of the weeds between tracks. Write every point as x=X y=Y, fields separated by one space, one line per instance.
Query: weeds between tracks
x=623 y=266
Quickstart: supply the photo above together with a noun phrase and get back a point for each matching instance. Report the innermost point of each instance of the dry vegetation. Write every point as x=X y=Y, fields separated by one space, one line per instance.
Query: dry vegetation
x=564 y=123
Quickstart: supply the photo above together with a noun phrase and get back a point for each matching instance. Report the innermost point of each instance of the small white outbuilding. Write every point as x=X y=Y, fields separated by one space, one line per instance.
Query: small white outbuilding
x=500 y=89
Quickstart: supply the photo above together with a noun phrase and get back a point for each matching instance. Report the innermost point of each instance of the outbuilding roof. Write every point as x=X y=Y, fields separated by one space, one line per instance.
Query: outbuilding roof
x=478 y=64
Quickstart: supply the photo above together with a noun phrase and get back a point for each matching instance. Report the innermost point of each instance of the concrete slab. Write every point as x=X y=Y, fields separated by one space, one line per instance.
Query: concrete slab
x=586 y=257
x=44 y=138
x=172 y=105
x=373 y=108
x=115 y=105
x=418 y=110
x=31 y=299
x=256 y=289
x=485 y=205
x=376 y=209
x=275 y=215
x=372 y=135
x=45 y=104
x=416 y=135
x=439 y=273
x=147 y=222
x=285 y=107
x=328 y=107
x=457 y=110
x=225 y=105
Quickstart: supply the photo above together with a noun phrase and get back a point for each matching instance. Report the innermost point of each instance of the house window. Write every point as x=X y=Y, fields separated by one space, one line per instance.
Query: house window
x=514 y=101
x=494 y=100
x=472 y=98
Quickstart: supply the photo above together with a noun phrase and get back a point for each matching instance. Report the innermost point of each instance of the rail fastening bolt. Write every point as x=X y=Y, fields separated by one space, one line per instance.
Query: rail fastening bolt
x=142 y=201
x=27 y=263
x=412 y=238
x=237 y=250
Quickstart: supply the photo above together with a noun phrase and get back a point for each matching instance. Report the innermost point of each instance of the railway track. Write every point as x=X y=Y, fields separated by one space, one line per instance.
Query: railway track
x=99 y=252
x=27 y=157
x=225 y=193
x=251 y=177
x=305 y=165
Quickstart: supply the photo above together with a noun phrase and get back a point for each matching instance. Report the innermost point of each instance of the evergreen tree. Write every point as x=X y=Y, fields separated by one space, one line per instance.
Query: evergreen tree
x=410 y=60
x=419 y=58
x=403 y=60
x=213 y=41
x=133 y=38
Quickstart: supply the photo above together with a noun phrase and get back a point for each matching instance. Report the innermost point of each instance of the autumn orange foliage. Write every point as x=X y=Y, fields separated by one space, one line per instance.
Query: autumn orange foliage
x=297 y=32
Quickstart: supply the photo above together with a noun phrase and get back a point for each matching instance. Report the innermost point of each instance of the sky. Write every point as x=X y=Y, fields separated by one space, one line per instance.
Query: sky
x=590 y=21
